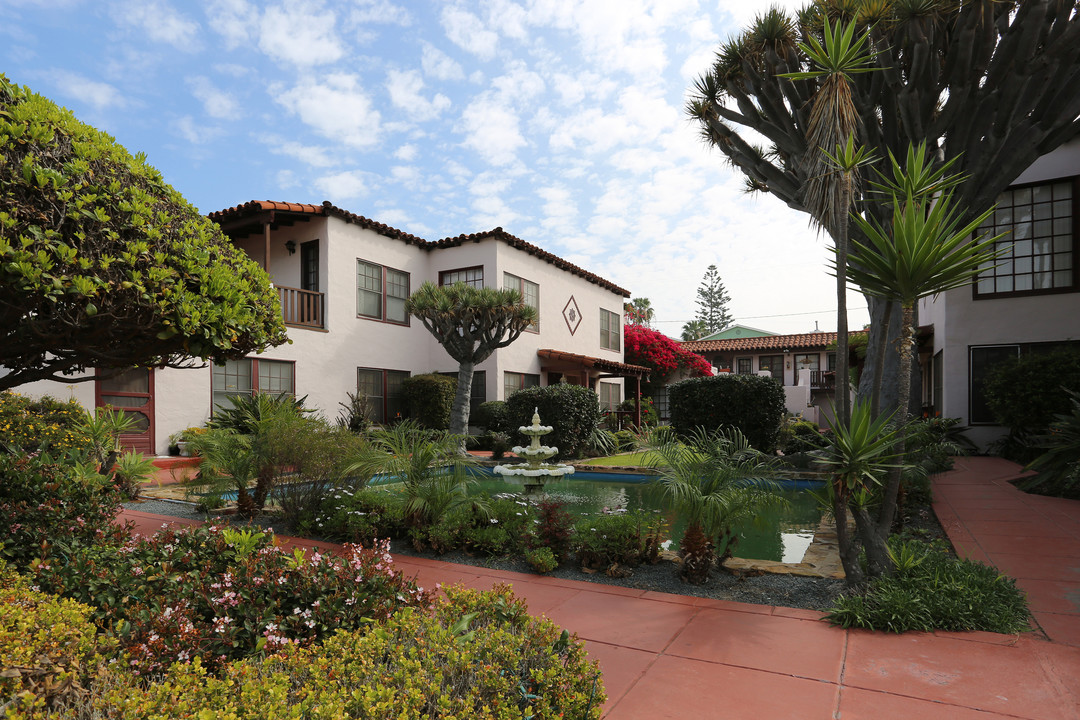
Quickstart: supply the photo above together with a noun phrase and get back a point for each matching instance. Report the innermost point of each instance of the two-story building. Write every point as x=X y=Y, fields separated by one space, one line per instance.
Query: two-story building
x=343 y=280
x=1026 y=302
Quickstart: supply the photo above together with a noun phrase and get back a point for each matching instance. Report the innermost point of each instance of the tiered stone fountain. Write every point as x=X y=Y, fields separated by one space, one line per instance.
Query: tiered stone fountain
x=535 y=471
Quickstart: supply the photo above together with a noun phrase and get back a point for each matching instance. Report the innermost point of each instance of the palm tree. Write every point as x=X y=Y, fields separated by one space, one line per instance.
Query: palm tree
x=831 y=180
x=925 y=250
x=432 y=471
x=694 y=329
x=470 y=323
x=715 y=481
x=639 y=311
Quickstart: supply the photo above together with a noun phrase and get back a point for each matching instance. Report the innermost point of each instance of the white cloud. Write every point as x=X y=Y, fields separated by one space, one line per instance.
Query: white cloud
x=492 y=130
x=342 y=186
x=92 y=92
x=379 y=11
x=337 y=109
x=196 y=134
x=467 y=31
x=404 y=87
x=217 y=103
x=312 y=155
x=301 y=33
x=439 y=65
x=160 y=22
x=234 y=20
x=407 y=153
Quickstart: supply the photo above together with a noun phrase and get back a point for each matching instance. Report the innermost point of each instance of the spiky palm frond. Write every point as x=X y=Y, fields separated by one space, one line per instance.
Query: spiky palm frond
x=924 y=251
x=715 y=479
x=862 y=451
x=918 y=177
x=772 y=30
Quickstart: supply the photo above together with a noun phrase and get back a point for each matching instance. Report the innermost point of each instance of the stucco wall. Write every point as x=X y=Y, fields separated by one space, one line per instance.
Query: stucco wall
x=326 y=361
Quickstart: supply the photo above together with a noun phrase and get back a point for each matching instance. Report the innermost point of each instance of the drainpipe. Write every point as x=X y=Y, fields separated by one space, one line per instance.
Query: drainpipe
x=266 y=243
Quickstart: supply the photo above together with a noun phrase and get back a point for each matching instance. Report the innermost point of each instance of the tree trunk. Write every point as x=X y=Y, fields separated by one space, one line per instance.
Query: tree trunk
x=890 y=377
x=459 y=414
x=849 y=552
x=879 y=361
x=907 y=348
x=878 y=562
x=843 y=363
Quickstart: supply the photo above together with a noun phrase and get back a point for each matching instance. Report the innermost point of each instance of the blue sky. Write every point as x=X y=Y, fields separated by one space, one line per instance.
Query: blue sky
x=559 y=121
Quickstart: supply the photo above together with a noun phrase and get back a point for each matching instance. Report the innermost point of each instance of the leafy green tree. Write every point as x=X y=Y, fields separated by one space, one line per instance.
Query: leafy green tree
x=694 y=329
x=992 y=84
x=470 y=323
x=103 y=265
x=712 y=301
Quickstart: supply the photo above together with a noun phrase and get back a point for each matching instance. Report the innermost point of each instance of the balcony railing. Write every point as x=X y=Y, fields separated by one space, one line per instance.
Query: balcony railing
x=822 y=380
x=303 y=308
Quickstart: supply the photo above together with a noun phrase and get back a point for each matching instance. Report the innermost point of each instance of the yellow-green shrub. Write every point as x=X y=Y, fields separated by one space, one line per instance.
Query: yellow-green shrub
x=46 y=423
x=48 y=646
x=478 y=655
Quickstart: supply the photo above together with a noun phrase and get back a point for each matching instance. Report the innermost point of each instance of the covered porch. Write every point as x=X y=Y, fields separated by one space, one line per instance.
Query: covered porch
x=590 y=372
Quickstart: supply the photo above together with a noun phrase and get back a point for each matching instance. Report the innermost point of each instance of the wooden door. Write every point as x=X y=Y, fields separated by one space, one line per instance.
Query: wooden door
x=132 y=392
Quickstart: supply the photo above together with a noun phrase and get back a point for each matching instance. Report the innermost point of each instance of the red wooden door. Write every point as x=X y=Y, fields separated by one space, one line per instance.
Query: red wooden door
x=132 y=392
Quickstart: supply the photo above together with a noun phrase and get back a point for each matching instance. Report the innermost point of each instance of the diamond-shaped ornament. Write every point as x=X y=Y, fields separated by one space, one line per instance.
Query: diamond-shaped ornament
x=572 y=315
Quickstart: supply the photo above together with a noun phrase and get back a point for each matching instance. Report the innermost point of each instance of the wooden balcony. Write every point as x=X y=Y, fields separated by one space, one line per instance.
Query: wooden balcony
x=301 y=308
x=822 y=380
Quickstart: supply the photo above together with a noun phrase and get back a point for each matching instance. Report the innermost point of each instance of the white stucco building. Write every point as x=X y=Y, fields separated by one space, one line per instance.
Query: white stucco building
x=1029 y=303
x=343 y=280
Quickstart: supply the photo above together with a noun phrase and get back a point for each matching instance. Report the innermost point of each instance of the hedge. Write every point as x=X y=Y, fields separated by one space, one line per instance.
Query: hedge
x=429 y=399
x=751 y=403
x=572 y=410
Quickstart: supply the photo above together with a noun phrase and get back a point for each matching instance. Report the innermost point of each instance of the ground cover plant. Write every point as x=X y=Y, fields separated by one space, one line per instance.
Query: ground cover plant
x=932 y=590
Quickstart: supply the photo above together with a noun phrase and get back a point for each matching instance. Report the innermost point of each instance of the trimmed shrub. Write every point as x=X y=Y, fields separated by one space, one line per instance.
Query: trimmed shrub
x=1026 y=394
x=46 y=424
x=477 y=655
x=751 y=403
x=493 y=416
x=572 y=410
x=541 y=559
x=44 y=504
x=49 y=647
x=429 y=399
x=616 y=538
x=798 y=436
x=933 y=591
x=221 y=594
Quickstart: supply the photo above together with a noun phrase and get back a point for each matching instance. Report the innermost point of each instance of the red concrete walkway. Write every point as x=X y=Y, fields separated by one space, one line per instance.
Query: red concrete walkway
x=1034 y=539
x=669 y=656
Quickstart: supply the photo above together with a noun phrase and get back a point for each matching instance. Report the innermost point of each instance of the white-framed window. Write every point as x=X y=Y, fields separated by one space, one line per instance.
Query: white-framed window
x=610 y=396
x=530 y=293
x=381 y=292
x=473 y=277
x=251 y=375
x=610 y=330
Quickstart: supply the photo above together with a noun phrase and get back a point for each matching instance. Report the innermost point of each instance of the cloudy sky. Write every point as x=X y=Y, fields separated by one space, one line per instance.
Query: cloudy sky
x=559 y=120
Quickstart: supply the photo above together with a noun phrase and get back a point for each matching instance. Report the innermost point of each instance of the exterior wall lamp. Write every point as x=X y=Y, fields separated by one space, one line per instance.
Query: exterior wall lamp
x=290 y=245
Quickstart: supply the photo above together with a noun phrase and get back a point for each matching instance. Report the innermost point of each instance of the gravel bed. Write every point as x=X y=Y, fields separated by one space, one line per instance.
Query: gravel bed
x=767 y=589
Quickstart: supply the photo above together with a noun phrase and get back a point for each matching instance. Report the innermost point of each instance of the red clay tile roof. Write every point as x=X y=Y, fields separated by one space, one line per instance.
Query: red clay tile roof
x=593 y=362
x=803 y=341
x=255 y=207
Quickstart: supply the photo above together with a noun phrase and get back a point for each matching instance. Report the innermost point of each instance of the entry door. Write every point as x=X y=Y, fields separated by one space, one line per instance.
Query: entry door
x=132 y=392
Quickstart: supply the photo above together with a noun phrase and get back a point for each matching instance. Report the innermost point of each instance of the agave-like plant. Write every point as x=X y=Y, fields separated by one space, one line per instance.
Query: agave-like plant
x=860 y=454
x=714 y=480
x=433 y=472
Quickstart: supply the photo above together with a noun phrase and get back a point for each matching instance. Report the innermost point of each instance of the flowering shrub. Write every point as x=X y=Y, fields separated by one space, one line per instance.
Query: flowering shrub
x=555 y=527
x=662 y=355
x=45 y=424
x=48 y=646
x=201 y=592
x=361 y=516
x=478 y=655
x=44 y=504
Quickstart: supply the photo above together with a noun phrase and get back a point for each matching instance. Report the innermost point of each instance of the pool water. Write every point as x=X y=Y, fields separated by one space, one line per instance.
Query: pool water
x=782 y=534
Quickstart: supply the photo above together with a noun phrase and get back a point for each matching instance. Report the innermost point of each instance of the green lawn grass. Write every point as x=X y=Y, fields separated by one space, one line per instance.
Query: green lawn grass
x=642 y=458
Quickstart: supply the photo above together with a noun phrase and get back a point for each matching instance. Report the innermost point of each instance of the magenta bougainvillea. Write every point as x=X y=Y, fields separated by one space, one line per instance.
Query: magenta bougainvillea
x=662 y=355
